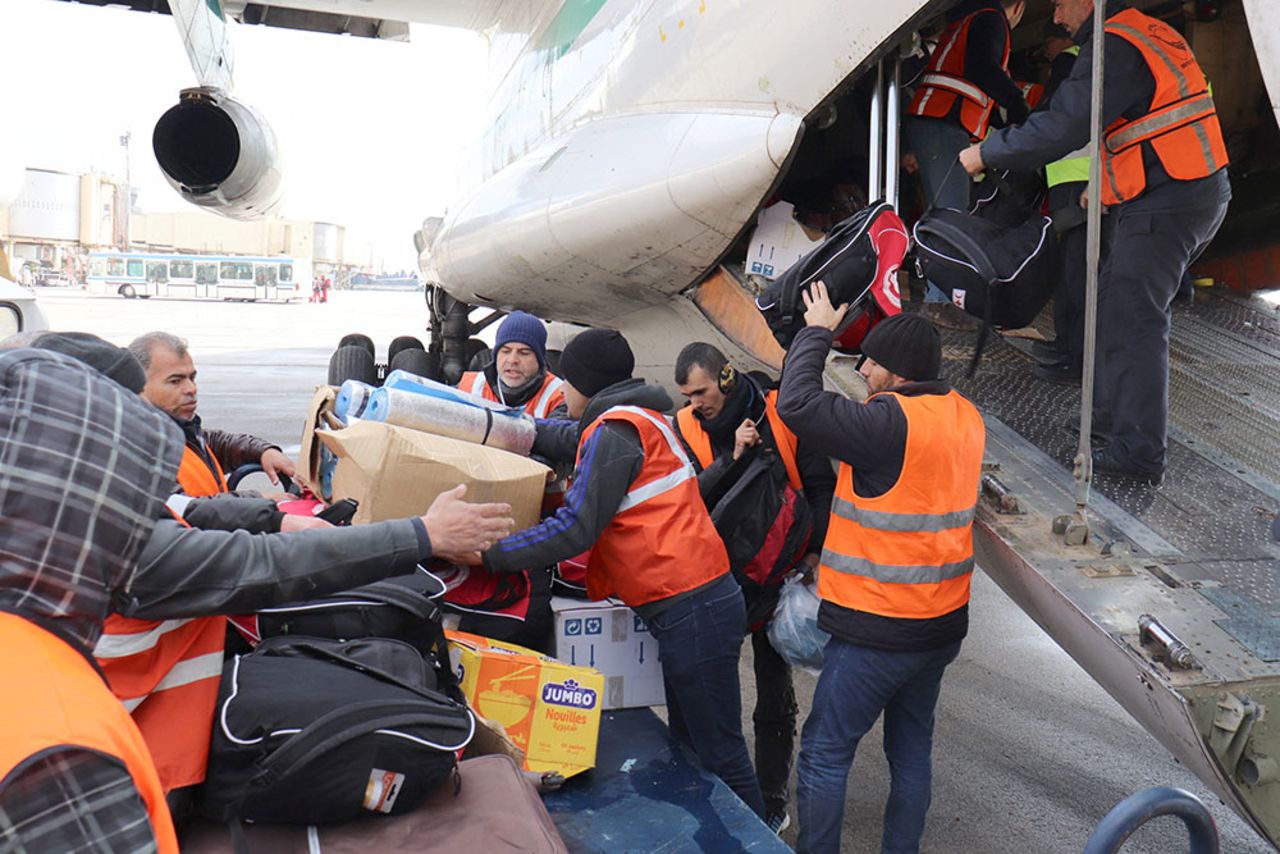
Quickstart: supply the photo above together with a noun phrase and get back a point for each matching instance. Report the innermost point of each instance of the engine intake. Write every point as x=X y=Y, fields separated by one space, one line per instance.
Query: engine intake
x=219 y=153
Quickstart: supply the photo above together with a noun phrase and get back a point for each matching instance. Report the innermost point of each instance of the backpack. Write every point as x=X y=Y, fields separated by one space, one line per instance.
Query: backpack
x=858 y=261
x=1002 y=275
x=765 y=524
x=313 y=731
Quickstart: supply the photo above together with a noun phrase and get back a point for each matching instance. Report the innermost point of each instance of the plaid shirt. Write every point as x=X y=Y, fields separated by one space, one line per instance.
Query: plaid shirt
x=85 y=467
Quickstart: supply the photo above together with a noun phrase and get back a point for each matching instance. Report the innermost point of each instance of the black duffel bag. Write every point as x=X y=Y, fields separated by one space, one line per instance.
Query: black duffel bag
x=1001 y=275
x=858 y=261
x=314 y=731
x=405 y=607
x=765 y=524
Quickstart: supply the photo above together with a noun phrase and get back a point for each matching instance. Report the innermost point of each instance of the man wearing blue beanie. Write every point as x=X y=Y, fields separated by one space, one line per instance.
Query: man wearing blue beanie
x=518 y=375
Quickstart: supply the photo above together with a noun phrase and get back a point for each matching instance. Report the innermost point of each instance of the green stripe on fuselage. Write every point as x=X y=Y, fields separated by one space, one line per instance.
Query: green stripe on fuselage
x=215 y=6
x=567 y=25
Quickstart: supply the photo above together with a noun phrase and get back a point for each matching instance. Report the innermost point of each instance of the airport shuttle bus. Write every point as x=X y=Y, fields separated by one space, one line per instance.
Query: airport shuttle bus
x=226 y=277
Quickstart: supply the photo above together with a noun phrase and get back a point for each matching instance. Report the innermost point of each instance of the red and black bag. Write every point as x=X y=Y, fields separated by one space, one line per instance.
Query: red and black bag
x=858 y=261
x=766 y=525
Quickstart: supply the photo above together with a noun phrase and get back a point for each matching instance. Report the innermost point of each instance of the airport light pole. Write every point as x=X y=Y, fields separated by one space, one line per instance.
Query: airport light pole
x=128 y=191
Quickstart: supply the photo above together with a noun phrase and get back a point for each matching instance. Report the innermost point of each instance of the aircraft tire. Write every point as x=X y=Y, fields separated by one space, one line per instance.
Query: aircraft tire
x=352 y=362
x=553 y=362
x=358 y=340
x=404 y=342
x=477 y=353
x=416 y=360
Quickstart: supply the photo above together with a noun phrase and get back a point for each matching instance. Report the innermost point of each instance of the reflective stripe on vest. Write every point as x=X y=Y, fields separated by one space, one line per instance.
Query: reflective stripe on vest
x=944 y=81
x=1181 y=124
x=165 y=671
x=57 y=701
x=551 y=388
x=661 y=541
x=196 y=478
x=909 y=552
x=480 y=386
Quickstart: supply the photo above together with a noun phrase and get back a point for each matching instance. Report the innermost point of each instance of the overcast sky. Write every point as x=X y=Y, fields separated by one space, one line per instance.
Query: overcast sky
x=371 y=132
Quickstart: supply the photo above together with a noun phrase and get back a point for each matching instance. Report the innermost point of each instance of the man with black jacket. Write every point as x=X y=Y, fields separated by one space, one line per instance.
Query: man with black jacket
x=955 y=99
x=171 y=387
x=731 y=417
x=896 y=564
x=1165 y=185
x=635 y=503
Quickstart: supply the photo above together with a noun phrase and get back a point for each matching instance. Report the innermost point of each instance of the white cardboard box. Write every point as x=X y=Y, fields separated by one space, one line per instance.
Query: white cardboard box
x=778 y=241
x=610 y=637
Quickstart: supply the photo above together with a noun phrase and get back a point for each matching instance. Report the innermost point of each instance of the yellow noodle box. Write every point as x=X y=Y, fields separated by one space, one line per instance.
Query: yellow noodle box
x=550 y=710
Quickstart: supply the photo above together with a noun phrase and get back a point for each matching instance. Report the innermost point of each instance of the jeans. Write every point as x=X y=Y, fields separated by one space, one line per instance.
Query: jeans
x=699 y=644
x=775 y=722
x=937 y=145
x=856 y=685
x=1146 y=255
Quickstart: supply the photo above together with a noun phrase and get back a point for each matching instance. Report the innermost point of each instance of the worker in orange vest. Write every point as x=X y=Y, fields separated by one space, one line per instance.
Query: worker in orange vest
x=732 y=416
x=87 y=468
x=1165 y=186
x=518 y=375
x=895 y=569
x=635 y=502
x=955 y=100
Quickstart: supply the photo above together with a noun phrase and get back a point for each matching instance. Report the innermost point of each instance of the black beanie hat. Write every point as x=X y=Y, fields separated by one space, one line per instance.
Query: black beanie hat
x=906 y=344
x=596 y=359
x=114 y=362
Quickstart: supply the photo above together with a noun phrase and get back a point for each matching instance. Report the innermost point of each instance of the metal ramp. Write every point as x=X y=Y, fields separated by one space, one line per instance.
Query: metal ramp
x=1197 y=553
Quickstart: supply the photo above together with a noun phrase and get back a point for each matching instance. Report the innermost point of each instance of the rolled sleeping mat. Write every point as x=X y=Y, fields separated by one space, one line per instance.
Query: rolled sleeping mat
x=405 y=381
x=352 y=399
x=446 y=414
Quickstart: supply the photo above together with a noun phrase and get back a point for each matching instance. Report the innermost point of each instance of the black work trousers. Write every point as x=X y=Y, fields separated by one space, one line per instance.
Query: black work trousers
x=775 y=722
x=1068 y=298
x=1146 y=254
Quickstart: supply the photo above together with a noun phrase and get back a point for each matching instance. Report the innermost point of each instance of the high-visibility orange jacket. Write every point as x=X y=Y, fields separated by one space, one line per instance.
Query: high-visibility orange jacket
x=943 y=80
x=661 y=541
x=167 y=672
x=699 y=440
x=196 y=478
x=1181 y=125
x=54 y=699
x=909 y=552
x=549 y=396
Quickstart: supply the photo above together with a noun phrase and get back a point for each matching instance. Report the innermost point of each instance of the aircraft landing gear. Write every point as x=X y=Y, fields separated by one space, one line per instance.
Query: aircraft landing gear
x=452 y=332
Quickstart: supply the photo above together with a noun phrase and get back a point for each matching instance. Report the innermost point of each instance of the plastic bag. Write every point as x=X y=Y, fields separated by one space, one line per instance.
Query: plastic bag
x=794 y=631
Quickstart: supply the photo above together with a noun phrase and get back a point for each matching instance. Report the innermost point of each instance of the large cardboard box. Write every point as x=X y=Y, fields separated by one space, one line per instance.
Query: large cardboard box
x=549 y=709
x=396 y=472
x=613 y=639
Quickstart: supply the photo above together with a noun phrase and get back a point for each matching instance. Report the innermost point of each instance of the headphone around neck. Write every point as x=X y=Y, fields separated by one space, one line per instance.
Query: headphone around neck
x=728 y=379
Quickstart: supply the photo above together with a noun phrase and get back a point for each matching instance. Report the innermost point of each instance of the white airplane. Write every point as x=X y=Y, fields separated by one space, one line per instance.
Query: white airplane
x=630 y=149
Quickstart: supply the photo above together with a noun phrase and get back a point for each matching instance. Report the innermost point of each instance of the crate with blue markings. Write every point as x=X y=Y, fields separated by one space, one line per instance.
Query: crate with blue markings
x=610 y=637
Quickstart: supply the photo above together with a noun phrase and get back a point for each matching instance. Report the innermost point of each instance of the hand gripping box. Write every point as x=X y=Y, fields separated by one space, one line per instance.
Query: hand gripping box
x=613 y=639
x=550 y=710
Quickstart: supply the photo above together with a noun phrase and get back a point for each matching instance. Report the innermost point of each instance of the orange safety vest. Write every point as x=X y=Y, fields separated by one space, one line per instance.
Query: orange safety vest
x=943 y=80
x=55 y=700
x=169 y=671
x=196 y=478
x=661 y=541
x=909 y=552
x=699 y=440
x=1181 y=124
x=540 y=405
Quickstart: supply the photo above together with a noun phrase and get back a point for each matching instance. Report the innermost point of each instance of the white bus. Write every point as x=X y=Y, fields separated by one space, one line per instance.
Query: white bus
x=226 y=277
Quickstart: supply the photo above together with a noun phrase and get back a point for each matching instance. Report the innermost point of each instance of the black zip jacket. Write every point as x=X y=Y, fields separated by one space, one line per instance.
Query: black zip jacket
x=747 y=401
x=1128 y=87
x=871 y=438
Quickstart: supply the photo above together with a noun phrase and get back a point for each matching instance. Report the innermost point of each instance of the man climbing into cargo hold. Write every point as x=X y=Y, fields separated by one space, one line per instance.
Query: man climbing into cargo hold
x=635 y=503
x=896 y=564
x=1165 y=188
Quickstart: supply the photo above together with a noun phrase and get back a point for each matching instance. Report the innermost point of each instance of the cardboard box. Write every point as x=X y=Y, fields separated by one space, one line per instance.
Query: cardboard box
x=549 y=709
x=395 y=472
x=310 y=450
x=779 y=241
x=612 y=638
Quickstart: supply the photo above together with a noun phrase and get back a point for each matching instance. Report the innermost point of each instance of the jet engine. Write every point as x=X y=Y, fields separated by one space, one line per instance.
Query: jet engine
x=219 y=153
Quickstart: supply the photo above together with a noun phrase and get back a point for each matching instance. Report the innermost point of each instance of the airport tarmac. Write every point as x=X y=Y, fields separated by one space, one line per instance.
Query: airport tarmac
x=1029 y=753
